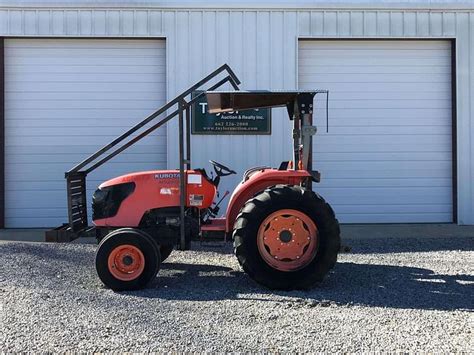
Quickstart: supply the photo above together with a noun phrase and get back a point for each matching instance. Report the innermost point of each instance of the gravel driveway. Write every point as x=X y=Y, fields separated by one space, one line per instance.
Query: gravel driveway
x=392 y=295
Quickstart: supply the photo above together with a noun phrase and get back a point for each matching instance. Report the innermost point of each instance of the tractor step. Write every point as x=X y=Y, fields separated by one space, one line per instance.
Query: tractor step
x=215 y=225
x=215 y=230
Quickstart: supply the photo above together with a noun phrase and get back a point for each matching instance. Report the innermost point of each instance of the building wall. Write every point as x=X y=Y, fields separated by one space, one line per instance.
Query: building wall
x=261 y=45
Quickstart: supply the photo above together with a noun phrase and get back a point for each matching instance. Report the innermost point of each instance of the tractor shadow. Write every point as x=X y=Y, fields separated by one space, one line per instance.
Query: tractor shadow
x=349 y=284
x=373 y=285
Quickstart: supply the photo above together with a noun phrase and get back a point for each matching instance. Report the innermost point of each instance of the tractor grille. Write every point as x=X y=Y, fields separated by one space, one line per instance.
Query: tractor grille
x=77 y=202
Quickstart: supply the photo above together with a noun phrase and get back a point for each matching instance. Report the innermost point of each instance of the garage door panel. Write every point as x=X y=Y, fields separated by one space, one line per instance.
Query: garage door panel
x=331 y=173
x=443 y=115
x=377 y=44
x=76 y=149
x=385 y=122
x=388 y=130
x=362 y=78
x=379 y=165
x=80 y=131
x=352 y=182
x=379 y=140
x=393 y=195
x=85 y=95
x=58 y=140
x=395 y=208
x=83 y=52
x=69 y=123
x=66 y=158
x=87 y=44
x=369 y=104
x=382 y=156
x=25 y=213
x=151 y=69
x=388 y=154
x=51 y=171
x=365 y=147
x=124 y=59
x=130 y=104
x=397 y=217
x=361 y=94
x=375 y=51
x=384 y=87
x=78 y=87
x=133 y=115
x=38 y=222
x=377 y=69
x=77 y=77
x=64 y=100
x=342 y=60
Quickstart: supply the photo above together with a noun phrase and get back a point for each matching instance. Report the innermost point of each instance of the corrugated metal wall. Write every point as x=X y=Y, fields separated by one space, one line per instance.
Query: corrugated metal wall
x=262 y=47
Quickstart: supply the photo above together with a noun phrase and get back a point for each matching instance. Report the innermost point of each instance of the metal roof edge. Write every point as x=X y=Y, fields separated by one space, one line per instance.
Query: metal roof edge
x=244 y=5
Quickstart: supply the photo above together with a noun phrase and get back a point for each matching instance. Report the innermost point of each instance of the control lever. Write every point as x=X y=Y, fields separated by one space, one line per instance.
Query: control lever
x=215 y=209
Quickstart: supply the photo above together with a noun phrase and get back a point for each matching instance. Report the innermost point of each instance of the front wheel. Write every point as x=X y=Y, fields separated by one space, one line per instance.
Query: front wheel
x=127 y=259
x=286 y=237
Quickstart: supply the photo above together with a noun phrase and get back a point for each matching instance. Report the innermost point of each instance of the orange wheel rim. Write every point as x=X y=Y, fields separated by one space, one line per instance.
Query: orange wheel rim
x=287 y=240
x=126 y=262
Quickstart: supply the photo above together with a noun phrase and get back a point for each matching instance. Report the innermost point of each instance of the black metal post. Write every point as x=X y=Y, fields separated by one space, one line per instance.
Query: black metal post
x=296 y=136
x=182 y=178
x=188 y=137
x=307 y=121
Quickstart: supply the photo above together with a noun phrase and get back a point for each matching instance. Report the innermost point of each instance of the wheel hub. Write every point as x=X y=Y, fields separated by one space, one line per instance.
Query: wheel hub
x=286 y=236
x=126 y=262
x=287 y=240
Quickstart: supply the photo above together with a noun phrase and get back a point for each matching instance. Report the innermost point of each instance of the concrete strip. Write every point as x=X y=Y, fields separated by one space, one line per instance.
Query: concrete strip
x=373 y=231
x=348 y=231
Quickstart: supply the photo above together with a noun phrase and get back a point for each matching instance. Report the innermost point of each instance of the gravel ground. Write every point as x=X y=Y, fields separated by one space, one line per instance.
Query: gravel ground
x=386 y=295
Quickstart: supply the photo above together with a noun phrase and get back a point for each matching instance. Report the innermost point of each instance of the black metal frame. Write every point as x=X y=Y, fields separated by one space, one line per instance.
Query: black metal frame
x=76 y=177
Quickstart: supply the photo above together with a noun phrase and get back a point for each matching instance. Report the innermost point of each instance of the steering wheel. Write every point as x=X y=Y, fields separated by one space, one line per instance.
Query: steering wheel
x=221 y=170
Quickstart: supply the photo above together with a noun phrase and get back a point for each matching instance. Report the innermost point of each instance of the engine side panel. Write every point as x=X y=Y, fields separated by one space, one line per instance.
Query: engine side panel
x=157 y=189
x=259 y=181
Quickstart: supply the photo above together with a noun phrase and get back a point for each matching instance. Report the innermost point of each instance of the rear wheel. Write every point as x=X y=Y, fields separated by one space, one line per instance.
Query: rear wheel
x=286 y=237
x=127 y=259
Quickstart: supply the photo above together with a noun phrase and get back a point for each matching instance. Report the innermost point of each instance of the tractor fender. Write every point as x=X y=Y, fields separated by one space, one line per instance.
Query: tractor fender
x=257 y=182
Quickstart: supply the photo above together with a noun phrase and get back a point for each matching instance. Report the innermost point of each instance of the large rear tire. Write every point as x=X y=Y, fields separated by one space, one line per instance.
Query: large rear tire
x=127 y=259
x=286 y=237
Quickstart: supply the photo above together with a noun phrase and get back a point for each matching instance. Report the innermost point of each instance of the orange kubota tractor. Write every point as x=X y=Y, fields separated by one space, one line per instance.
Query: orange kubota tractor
x=285 y=235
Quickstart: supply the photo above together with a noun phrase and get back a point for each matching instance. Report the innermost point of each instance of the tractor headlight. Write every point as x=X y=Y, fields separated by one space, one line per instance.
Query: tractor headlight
x=107 y=200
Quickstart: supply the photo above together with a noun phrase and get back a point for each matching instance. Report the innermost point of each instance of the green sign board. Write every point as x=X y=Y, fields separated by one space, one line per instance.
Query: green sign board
x=256 y=121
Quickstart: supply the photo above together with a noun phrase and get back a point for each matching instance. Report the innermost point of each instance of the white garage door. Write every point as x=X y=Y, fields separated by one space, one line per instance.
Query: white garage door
x=64 y=100
x=388 y=154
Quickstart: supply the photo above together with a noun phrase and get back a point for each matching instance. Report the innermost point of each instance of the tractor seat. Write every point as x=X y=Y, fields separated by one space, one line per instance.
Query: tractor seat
x=248 y=173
